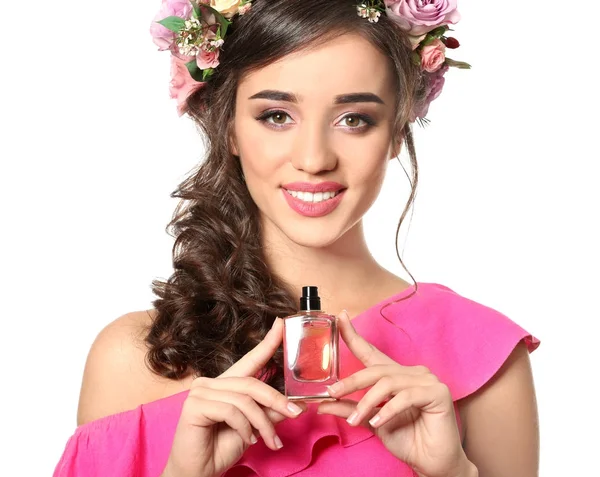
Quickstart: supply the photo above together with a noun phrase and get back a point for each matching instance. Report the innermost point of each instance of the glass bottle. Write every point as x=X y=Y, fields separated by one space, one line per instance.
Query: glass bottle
x=310 y=348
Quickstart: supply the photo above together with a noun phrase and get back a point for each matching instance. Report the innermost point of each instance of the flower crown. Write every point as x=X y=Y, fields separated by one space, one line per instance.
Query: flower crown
x=194 y=31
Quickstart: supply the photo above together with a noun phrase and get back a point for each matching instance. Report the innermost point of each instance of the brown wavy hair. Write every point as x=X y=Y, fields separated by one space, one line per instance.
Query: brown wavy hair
x=222 y=297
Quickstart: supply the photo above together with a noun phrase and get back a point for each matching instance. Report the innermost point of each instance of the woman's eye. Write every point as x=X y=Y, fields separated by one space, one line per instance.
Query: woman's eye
x=351 y=121
x=279 y=117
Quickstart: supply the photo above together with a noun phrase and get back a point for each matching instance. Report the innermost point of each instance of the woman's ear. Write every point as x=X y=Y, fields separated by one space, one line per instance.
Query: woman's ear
x=233 y=146
x=396 y=147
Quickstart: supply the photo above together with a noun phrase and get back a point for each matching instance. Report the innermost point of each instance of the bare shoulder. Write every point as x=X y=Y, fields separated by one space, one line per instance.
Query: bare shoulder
x=501 y=420
x=116 y=377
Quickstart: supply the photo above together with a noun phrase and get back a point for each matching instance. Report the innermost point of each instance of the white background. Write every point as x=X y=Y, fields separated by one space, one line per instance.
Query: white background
x=91 y=147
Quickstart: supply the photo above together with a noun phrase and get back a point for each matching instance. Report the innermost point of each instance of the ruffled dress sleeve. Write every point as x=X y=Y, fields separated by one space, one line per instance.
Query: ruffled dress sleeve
x=133 y=443
x=465 y=342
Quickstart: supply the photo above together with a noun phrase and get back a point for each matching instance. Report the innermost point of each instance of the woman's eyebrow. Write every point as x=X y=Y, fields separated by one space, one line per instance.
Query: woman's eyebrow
x=276 y=95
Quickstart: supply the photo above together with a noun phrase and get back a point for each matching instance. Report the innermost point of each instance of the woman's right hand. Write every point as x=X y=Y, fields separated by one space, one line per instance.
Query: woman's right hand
x=220 y=415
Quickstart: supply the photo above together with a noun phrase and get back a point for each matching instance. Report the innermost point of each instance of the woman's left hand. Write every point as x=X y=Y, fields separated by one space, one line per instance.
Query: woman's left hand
x=417 y=424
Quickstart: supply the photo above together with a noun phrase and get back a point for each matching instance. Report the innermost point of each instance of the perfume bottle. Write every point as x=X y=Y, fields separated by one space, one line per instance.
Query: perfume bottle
x=310 y=350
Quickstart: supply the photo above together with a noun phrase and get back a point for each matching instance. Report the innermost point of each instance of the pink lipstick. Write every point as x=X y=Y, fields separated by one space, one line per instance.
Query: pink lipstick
x=313 y=200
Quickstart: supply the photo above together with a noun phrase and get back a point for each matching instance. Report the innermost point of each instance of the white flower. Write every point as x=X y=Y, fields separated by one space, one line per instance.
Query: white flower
x=368 y=12
x=192 y=23
x=187 y=40
x=362 y=10
x=374 y=16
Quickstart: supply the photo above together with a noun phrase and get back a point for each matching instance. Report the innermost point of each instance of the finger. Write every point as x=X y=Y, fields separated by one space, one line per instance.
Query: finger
x=256 y=389
x=425 y=398
x=374 y=398
x=277 y=417
x=343 y=408
x=257 y=357
x=251 y=410
x=205 y=413
x=404 y=376
x=361 y=348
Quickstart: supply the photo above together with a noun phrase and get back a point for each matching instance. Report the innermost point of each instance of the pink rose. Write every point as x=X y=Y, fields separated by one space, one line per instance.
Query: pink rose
x=161 y=36
x=433 y=56
x=182 y=84
x=207 y=59
x=421 y=16
x=434 y=85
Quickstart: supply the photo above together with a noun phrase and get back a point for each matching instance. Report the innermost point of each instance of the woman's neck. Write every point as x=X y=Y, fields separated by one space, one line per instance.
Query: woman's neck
x=346 y=273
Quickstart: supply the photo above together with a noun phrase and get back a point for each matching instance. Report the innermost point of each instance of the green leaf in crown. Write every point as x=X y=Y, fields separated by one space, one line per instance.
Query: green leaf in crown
x=196 y=9
x=433 y=35
x=439 y=31
x=195 y=71
x=175 y=24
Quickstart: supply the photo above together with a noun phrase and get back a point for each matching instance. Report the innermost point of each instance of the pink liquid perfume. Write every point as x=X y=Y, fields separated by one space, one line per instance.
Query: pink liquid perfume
x=310 y=349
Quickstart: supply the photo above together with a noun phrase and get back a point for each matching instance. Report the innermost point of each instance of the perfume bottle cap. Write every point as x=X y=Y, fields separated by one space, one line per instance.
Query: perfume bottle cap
x=310 y=300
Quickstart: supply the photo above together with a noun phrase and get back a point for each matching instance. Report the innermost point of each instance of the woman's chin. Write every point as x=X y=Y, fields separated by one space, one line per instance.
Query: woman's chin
x=313 y=237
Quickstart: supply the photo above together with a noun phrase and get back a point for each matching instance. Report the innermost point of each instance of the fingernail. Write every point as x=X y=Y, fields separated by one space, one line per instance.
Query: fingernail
x=273 y=325
x=253 y=439
x=374 y=420
x=352 y=418
x=278 y=442
x=335 y=388
x=294 y=409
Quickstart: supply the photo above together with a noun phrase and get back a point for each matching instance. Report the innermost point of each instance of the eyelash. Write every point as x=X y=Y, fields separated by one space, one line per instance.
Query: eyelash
x=367 y=119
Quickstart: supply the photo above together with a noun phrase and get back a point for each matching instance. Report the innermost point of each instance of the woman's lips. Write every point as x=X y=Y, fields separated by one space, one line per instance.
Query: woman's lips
x=313 y=209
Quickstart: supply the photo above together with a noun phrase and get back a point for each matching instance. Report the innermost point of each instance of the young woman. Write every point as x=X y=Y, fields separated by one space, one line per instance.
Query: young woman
x=303 y=103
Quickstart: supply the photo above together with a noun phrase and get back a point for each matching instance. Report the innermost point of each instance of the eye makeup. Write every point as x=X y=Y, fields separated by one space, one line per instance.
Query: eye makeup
x=368 y=120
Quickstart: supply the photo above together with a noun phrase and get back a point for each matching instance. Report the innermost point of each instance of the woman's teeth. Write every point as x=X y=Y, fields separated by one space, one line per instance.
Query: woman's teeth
x=310 y=197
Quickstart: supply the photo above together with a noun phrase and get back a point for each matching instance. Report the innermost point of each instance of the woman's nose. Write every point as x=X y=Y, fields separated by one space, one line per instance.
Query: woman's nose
x=313 y=153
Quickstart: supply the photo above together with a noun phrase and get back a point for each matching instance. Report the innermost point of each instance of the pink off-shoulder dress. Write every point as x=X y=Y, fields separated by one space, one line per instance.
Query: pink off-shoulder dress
x=462 y=342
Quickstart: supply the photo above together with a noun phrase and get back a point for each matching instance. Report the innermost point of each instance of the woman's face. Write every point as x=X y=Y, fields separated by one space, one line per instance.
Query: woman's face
x=313 y=154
